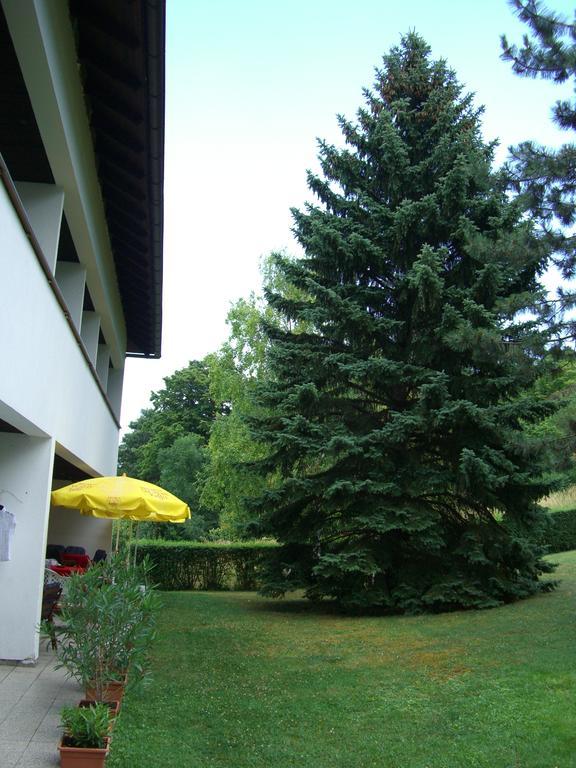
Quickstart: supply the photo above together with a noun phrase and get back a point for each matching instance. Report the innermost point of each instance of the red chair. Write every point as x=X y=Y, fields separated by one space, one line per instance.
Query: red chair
x=81 y=561
x=64 y=570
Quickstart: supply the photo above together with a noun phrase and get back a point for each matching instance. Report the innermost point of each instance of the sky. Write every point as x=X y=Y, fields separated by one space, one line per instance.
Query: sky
x=249 y=87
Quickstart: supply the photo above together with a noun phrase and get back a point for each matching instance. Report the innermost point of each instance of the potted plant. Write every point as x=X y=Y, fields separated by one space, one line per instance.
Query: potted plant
x=113 y=706
x=131 y=617
x=85 y=741
x=87 y=642
x=106 y=624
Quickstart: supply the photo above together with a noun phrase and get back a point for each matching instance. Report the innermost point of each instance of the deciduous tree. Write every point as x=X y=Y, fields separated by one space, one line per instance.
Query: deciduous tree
x=167 y=445
x=234 y=371
x=182 y=407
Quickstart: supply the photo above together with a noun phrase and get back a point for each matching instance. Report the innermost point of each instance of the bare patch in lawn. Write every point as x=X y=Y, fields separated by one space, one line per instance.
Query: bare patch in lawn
x=440 y=664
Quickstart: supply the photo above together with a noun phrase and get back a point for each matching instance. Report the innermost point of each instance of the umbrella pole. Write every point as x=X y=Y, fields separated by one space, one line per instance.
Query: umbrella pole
x=117 y=536
x=136 y=541
x=129 y=543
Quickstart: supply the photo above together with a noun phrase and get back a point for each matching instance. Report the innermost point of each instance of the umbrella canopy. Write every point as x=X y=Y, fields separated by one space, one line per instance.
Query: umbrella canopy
x=122 y=498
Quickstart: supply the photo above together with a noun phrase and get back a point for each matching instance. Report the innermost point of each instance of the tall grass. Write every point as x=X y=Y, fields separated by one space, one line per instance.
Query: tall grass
x=561 y=500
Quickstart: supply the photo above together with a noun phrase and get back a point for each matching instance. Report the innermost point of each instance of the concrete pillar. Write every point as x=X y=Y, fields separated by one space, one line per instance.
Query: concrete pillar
x=26 y=465
x=103 y=363
x=44 y=204
x=115 y=384
x=71 y=279
x=90 y=332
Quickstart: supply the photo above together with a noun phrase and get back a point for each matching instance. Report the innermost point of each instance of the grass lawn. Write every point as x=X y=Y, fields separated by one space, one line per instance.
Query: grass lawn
x=244 y=682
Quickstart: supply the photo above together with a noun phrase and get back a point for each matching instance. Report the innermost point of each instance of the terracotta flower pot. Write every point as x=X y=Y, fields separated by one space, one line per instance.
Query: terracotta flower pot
x=111 y=692
x=83 y=757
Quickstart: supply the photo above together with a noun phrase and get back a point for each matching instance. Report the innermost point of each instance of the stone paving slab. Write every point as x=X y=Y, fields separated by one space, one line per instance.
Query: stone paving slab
x=12 y=752
x=5 y=670
x=40 y=754
x=49 y=729
x=31 y=698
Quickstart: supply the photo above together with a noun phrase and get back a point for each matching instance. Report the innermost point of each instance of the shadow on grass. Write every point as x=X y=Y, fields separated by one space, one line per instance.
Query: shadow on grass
x=301 y=607
x=295 y=606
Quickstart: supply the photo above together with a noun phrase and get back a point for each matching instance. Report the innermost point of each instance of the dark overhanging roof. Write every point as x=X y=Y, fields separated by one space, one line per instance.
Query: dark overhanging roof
x=20 y=142
x=121 y=49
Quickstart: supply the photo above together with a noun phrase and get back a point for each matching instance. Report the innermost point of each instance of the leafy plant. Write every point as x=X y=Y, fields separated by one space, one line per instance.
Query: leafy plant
x=107 y=624
x=167 y=445
x=560 y=533
x=195 y=565
x=86 y=726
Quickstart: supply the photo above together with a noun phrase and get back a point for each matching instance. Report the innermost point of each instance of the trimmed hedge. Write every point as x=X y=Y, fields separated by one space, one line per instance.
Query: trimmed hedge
x=561 y=533
x=179 y=565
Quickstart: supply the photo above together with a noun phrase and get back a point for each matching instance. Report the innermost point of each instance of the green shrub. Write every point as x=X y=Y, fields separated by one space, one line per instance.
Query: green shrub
x=561 y=533
x=179 y=565
x=107 y=623
x=86 y=726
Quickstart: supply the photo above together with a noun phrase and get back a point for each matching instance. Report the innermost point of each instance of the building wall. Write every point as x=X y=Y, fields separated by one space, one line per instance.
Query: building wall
x=47 y=391
x=46 y=384
x=69 y=528
x=25 y=478
x=62 y=326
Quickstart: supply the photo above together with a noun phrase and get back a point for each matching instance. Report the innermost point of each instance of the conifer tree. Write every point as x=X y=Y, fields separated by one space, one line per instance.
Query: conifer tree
x=546 y=177
x=399 y=477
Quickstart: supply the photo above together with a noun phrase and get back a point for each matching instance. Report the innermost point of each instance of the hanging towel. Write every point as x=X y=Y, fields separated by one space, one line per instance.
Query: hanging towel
x=7 y=527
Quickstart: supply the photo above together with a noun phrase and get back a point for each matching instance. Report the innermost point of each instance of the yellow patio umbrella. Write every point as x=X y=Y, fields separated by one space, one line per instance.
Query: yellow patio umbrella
x=122 y=498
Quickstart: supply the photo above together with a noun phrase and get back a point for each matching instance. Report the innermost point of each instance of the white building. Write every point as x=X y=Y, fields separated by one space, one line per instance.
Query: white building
x=81 y=175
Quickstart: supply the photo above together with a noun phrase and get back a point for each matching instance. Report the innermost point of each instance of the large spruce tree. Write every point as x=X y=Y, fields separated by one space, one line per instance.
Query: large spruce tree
x=399 y=477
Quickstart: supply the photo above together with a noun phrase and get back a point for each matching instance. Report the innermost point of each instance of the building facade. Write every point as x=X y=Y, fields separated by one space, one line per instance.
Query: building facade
x=81 y=217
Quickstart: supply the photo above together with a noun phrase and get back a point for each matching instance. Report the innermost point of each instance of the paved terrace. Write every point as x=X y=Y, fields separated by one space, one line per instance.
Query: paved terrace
x=31 y=698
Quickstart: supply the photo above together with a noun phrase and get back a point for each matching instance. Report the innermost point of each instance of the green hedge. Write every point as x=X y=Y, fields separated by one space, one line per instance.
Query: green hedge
x=561 y=533
x=197 y=565
x=182 y=565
